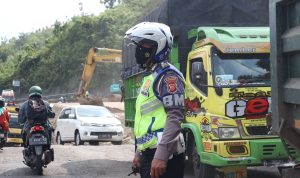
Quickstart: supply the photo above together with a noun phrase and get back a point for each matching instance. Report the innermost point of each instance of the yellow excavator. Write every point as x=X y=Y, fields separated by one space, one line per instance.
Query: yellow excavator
x=95 y=55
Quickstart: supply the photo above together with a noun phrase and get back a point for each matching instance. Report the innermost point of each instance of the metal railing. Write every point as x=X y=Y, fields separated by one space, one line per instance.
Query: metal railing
x=49 y=97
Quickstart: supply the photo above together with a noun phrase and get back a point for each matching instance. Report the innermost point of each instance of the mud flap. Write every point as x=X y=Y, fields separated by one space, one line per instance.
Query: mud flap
x=38 y=150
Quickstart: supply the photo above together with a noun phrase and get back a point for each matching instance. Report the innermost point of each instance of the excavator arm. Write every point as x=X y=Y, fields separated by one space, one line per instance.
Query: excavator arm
x=96 y=55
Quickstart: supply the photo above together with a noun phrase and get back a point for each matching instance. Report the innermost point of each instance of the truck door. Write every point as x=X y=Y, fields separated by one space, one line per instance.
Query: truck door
x=197 y=82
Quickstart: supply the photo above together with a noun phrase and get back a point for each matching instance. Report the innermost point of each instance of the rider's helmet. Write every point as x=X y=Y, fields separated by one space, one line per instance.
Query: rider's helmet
x=35 y=91
x=2 y=102
x=153 y=42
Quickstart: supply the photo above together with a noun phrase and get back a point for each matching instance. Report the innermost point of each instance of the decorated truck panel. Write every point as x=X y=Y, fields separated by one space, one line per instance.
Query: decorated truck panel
x=228 y=103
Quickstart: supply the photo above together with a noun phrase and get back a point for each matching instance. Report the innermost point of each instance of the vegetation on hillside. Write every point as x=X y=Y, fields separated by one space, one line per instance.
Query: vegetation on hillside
x=54 y=57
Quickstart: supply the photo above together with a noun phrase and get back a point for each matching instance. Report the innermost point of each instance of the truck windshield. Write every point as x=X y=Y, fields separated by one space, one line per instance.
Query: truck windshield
x=230 y=70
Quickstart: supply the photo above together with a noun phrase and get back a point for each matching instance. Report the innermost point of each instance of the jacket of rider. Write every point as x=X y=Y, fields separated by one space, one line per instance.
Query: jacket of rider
x=22 y=116
x=4 y=119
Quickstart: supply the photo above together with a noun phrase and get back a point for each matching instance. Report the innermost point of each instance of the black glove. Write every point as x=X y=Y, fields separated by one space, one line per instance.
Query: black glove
x=135 y=170
x=51 y=114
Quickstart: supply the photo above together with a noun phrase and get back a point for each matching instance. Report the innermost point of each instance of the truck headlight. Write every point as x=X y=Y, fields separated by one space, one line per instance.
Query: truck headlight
x=229 y=132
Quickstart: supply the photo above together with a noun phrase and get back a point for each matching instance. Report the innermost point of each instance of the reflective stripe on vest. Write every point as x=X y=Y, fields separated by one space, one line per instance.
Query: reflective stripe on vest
x=151 y=106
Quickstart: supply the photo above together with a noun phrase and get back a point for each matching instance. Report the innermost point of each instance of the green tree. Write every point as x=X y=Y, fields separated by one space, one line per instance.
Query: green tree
x=54 y=57
x=109 y=3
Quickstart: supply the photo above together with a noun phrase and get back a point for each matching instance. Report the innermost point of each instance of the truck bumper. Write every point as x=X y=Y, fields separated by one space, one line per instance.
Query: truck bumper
x=259 y=152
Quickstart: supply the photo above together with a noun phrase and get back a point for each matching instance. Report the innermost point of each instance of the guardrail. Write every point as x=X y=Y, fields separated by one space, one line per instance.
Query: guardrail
x=49 y=97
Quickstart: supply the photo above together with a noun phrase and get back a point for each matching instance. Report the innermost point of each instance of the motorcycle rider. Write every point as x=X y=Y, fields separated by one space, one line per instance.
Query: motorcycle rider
x=159 y=105
x=34 y=92
x=4 y=118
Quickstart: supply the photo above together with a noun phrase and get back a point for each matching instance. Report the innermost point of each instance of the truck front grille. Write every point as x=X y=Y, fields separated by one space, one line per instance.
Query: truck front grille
x=268 y=149
x=258 y=130
x=291 y=150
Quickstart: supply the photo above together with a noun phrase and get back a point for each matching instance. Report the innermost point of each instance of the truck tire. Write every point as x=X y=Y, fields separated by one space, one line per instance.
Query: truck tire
x=201 y=170
x=189 y=148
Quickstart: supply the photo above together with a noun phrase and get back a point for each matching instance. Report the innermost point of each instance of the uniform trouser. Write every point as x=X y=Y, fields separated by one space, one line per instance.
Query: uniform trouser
x=175 y=166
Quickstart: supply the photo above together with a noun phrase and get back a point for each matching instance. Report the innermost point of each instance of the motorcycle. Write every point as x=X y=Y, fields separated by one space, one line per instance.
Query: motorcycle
x=2 y=138
x=38 y=153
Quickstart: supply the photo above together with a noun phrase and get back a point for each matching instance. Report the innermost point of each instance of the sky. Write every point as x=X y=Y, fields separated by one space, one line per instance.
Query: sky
x=23 y=16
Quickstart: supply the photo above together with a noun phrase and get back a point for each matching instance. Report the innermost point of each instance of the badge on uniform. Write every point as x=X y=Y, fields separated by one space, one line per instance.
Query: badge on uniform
x=171 y=82
x=146 y=87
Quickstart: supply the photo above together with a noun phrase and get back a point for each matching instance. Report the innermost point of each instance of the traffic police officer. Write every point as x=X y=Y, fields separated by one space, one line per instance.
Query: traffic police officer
x=159 y=105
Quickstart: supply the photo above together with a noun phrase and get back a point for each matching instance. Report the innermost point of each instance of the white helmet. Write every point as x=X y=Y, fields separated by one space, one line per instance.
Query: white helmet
x=157 y=38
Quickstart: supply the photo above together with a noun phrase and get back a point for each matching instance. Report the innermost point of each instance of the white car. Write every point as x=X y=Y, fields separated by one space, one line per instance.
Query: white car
x=89 y=123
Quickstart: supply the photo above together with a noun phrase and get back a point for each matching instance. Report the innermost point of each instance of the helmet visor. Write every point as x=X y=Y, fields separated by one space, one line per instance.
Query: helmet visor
x=138 y=41
x=143 y=49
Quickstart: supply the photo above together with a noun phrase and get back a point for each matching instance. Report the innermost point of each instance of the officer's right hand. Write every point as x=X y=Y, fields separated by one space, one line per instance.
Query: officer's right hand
x=158 y=168
x=136 y=161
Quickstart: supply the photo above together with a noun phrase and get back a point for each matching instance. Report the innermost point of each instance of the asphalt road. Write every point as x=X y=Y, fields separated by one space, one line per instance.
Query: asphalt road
x=105 y=161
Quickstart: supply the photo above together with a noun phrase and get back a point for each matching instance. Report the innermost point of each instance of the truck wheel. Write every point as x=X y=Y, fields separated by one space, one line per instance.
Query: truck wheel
x=189 y=148
x=78 y=140
x=201 y=170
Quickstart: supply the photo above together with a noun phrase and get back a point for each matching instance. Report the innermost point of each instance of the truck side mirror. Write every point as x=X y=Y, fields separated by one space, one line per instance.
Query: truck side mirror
x=197 y=68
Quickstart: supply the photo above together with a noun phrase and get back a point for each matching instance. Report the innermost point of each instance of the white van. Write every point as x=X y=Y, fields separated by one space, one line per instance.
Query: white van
x=88 y=123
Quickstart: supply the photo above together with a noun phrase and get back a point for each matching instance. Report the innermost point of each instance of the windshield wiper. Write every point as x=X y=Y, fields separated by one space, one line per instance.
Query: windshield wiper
x=245 y=82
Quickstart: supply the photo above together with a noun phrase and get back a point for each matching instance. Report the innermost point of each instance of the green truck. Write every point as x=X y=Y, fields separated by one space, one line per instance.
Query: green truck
x=228 y=95
x=285 y=64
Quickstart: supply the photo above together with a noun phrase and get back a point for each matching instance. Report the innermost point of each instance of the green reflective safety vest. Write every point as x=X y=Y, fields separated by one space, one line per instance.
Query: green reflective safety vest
x=150 y=116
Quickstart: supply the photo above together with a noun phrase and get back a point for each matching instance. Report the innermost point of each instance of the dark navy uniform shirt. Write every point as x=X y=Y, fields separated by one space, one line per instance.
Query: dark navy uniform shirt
x=169 y=88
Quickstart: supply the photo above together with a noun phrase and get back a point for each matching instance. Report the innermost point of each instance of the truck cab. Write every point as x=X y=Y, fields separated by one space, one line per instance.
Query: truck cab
x=228 y=102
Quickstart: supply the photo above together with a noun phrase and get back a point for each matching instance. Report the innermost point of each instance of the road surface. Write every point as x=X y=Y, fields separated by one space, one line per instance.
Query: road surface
x=105 y=161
